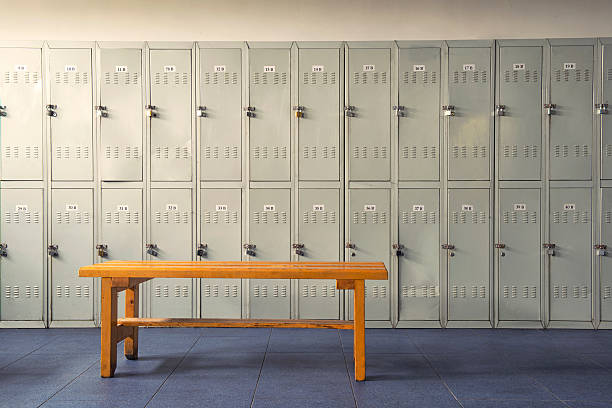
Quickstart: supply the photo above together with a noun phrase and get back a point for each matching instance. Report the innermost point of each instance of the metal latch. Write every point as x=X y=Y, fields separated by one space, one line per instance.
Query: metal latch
x=3 y=248
x=349 y=111
x=448 y=110
x=51 y=110
x=550 y=249
x=151 y=111
x=249 y=249
x=2 y=110
x=299 y=111
x=399 y=249
x=350 y=245
x=102 y=250
x=101 y=111
x=601 y=249
x=52 y=250
x=152 y=249
x=500 y=110
x=202 y=250
x=201 y=112
x=449 y=247
x=501 y=246
x=600 y=108
x=299 y=249
x=250 y=111
x=399 y=110
x=550 y=108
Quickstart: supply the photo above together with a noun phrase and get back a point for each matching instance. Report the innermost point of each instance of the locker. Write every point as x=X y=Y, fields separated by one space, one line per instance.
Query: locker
x=468 y=262
x=270 y=232
x=23 y=268
x=469 y=91
x=221 y=117
x=70 y=104
x=319 y=127
x=519 y=261
x=520 y=120
x=606 y=123
x=270 y=127
x=570 y=267
x=571 y=122
x=419 y=263
x=419 y=118
x=221 y=226
x=171 y=231
x=21 y=130
x=72 y=297
x=605 y=264
x=319 y=233
x=369 y=233
x=120 y=114
x=170 y=78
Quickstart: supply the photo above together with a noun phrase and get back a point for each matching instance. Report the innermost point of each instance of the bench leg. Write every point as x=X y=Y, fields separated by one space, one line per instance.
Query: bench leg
x=359 y=329
x=130 y=345
x=108 y=333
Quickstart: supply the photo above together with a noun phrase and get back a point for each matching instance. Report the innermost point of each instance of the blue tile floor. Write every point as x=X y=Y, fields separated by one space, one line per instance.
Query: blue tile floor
x=426 y=368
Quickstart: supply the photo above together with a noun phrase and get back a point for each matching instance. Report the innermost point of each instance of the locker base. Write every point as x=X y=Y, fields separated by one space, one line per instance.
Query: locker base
x=22 y=324
x=519 y=324
x=563 y=324
x=418 y=324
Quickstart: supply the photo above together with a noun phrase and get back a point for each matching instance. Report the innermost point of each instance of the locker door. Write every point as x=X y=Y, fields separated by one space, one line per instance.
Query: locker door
x=121 y=129
x=221 y=122
x=571 y=125
x=319 y=128
x=570 y=268
x=369 y=129
x=468 y=263
x=70 y=89
x=520 y=128
x=605 y=263
x=270 y=128
x=22 y=270
x=222 y=235
x=319 y=231
x=519 y=261
x=21 y=130
x=72 y=297
x=170 y=72
x=369 y=231
x=270 y=231
x=469 y=91
x=419 y=266
x=171 y=231
x=419 y=121
x=606 y=122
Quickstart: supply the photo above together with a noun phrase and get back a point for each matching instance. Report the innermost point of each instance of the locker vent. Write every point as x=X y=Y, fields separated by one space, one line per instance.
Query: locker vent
x=421 y=291
x=369 y=152
x=171 y=78
x=21 y=217
x=524 y=292
x=465 y=291
x=21 y=152
x=319 y=217
x=269 y=78
x=221 y=217
x=72 y=78
x=219 y=78
x=607 y=293
x=522 y=217
x=608 y=150
x=526 y=76
x=469 y=152
x=419 y=152
x=419 y=217
x=470 y=77
x=609 y=76
x=14 y=292
x=574 y=217
x=420 y=78
x=121 y=152
x=319 y=78
x=575 y=292
x=121 y=217
x=369 y=217
x=220 y=152
x=163 y=152
x=72 y=152
x=20 y=78
x=469 y=217
x=213 y=290
x=122 y=78
x=269 y=152
x=277 y=291
x=174 y=217
x=318 y=291
x=527 y=151
x=66 y=291
x=608 y=217
x=72 y=217
x=319 y=152
x=375 y=291
x=576 y=75
x=370 y=78
x=269 y=217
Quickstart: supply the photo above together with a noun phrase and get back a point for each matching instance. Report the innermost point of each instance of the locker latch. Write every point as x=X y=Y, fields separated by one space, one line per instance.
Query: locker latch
x=3 y=248
x=399 y=249
x=52 y=250
x=448 y=110
x=550 y=108
x=2 y=110
x=399 y=110
x=501 y=246
x=51 y=110
x=600 y=108
x=152 y=249
x=349 y=111
x=299 y=249
x=202 y=250
x=550 y=249
x=101 y=111
x=201 y=112
x=151 y=111
x=601 y=249
x=500 y=110
x=102 y=250
x=249 y=249
x=299 y=111
x=449 y=247
x=250 y=111
x=350 y=245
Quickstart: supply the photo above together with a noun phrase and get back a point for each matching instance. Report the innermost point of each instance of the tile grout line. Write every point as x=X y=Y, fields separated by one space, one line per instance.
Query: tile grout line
x=348 y=373
x=25 y=355
x=69 y=382
x=261 y=368
x=535 y=381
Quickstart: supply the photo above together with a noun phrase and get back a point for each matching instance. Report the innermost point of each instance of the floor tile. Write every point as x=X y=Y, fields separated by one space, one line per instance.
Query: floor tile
x=242 y=344
x=235 y=331
x=305 y=341
x=381 y=341
x=512 y=404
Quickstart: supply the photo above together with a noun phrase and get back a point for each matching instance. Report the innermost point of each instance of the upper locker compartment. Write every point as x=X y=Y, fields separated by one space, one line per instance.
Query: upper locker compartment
x=604 y=109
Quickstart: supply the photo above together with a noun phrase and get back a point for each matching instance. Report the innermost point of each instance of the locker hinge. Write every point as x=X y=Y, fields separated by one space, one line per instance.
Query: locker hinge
x=249 y=249
x=102 y=250
x=349 y=111
x=202 y=250
x=448 y=110
x=250 y=111
x=3 y=248
x=399 y=249
x=299 y=249
x=601 y=108
x=2 y=110
x=550 y=108
x=299 y=111
x=151 y=111
x=550 y=249
x=51 y=110
x=101 y=111
x=500 y=110
x=52 y=250
x=601 y=249
x=201 y=112
x=399 y=110
x=152 y=249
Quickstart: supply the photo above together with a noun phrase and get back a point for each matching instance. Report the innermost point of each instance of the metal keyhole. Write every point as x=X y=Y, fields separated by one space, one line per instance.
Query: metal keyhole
x=352 y=254
x=452 y=254
x=503 y=253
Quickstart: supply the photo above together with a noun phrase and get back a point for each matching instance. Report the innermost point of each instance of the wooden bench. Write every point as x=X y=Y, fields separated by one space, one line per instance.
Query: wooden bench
x=126 y=276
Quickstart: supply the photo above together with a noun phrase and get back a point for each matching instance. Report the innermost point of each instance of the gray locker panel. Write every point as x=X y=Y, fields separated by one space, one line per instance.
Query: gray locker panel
x=419 y=121
x=571 y=125
x=23 y=269
x=221 y=125
x=121 y=131
x=468 y=268
x=520 y=128
x=170 y=72
x=319 y=231
x=419 y=267
x=469 y=90
x=605 y=261
x=519 y=262
x=72 y=298
x=221 y=226
x=570 y=268
x=606 y=122
x=319 y=129
x=369 y=231
x=270 y=231
x=270 y=129
x=369 y=130
x=171 y=230
x=70 y=88
x=21 y=130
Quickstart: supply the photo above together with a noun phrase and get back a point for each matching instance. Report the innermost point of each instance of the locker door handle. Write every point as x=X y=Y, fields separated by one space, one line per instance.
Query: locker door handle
x=102 y=250
x=250 y=111
x=2 y=110
x=550 y=249
x=101 y=111
x=600 y=108
x=51 y=110
x=152 y=249
x=249 y=249
x=52 y=250
x=448 y=110
x=299 y=249
x=448 y=246
x=151 y=111
x=3 y=248
x=550 y=108
x=399 y=249
x=501 y=246
x=500 y=110
x=349 y=111
x=201 y=112
x=299 y=111
x=601 y=249
x=399 y=110
x=202 y=250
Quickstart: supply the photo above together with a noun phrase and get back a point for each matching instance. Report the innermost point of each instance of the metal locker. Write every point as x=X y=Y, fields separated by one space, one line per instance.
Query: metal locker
x=418 y=114
x=221 y=240
x=269 y=236
x=519 y=113
x=70 y=111
x=21 y=123
x=22 y=262
x=270 y=119
x=606 y=123
x=571 y=112
x=171 y=240
x=220 y=113
x=71 y=246
x=170 y=113
x=120 y=114
x=605 y=263
x=318 y=240
x=419 y=254
x=468 y=250
x=368 y=113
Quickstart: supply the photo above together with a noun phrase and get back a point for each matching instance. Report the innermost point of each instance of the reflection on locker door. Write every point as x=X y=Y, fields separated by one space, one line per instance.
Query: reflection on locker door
x=120 y=114
x=468 y=254
x=221 y=241
x=22 y=263
x=318 y=241
x=171 y=233
x=21 y=120
x=605 y=259
x=606 y=122
x=71 y=247
x=70 y=111
x=270 y=232
x=269 y=123
x=170 y=114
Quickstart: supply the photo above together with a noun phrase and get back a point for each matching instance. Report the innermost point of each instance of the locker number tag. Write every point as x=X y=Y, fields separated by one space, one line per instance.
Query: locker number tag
x=219 y=68
x=369 y=67
x=418 y=207
x=169 y=68
x=171 y=207
x=221 y=207
x=569 y=207
x=318 y=207
x=270 y=68
x=418 y=68
x=70 y=68
x=467 y=207
x=569 y=65
x=269 y=207
x=369 y=207
x=518 y=66
x=123 y=207
x=121 y=68
x=318 y=68
x=21 y=68
x=520 y=207
x=72 y=207
x=469 y=67
x=21 y=207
